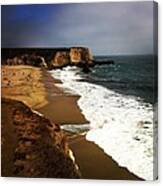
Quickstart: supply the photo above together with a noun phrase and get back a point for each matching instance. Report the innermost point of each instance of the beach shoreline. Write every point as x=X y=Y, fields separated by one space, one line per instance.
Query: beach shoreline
x=66 y=110
x=62 y=108
x=84 y=150
x=95 y=164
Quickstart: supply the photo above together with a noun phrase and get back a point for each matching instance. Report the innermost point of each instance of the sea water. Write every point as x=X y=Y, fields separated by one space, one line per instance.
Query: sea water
x=118 y=100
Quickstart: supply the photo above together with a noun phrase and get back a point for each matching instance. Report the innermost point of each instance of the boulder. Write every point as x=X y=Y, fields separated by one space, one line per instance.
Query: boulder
x=38 y=61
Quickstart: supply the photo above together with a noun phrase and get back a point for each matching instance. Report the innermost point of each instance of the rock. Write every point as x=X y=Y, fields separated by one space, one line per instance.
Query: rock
x=86 y=69
x=80 y=54
x=42 y=152
x=77 y=56
x=48 y=58
x=33 y=60
x=102 y=62
x=15 y=61
x=61 y=59
x=39 y=62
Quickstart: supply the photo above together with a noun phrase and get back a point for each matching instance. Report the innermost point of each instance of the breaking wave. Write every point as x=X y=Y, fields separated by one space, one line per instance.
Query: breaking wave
x=119 y=124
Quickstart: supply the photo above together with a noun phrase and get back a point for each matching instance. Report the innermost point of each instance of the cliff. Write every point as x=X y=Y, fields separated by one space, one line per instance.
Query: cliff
x=51 y=58
x=47 y=58
x=61 y=58
x=32 y=146
x=79 y=55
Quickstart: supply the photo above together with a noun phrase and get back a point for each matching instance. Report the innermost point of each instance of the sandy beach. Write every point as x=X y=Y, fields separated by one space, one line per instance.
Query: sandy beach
x=41 y=94
x=66 y=110
x=92 y=161
x=95 y=164
x=24 y=83
x=79 y=90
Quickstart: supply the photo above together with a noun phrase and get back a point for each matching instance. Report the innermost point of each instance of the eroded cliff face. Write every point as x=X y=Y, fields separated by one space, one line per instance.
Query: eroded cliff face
x=79 y=54
x=32 y=146
x=48 y=58
x=33 y=60
x=61 y=59
x=75 y=56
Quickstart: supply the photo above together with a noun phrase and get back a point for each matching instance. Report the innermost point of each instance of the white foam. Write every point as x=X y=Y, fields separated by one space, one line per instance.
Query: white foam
x=76 y=128
x=121 y=125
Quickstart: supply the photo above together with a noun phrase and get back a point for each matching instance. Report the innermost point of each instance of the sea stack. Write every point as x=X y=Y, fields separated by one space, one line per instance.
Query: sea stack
x=61 y=59
x=75 y=56
x=50 y=58
x=80 y=54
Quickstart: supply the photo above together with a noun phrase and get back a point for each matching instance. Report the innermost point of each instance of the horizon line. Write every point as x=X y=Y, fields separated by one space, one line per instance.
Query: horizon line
x=67 y=47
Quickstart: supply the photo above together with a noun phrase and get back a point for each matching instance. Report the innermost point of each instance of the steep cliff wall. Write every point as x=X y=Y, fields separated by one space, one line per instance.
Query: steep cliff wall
x=33 y=60
x=48 y=58
x=75 y=56
x=61 y=59
x=32 y=146
x=80 y=54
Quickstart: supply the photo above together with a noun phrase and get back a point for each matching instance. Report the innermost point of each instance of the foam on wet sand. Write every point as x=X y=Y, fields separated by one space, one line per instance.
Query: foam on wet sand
x=121 y=125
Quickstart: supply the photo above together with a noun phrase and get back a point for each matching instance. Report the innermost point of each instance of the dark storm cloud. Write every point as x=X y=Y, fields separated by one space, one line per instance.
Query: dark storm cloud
x=107 y=28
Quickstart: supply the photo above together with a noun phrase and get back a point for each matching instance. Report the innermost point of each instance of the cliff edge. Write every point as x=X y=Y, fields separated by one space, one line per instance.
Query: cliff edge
x=32 y=146
x=47 y=58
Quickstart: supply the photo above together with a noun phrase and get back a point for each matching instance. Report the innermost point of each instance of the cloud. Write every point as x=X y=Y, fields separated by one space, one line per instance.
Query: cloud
x=108 y=28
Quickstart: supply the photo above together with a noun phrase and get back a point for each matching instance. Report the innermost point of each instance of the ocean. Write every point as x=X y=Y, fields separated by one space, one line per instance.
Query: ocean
x=118 y=100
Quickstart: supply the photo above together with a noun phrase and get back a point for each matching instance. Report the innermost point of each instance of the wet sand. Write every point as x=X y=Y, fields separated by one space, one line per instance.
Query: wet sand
x=95 y=164
x=62 y=108
x=92 y=161
x=65 y=109
x=36 y=88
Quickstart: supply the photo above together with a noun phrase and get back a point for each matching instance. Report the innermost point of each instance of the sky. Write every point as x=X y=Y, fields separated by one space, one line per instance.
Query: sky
x=106 y=28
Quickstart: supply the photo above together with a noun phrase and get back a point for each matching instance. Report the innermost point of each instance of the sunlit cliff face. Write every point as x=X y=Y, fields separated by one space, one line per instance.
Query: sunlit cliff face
x=75 y=55
x=61 y=58
x=80 y=54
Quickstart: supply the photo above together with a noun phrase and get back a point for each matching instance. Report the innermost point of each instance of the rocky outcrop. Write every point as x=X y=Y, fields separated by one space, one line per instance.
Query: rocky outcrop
x=80 y=55
x=61 y=59
x=34 y=60
x=102 y=62
x=32 y=146
x=52 y=58
x=48 y=58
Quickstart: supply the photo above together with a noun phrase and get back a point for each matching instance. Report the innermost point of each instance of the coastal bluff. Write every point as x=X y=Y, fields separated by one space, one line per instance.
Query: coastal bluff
x=33 y=146
x=50 y=58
